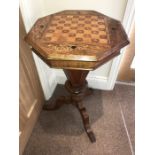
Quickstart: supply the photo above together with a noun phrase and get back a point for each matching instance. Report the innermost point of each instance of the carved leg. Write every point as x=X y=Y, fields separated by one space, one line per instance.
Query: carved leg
x=57 y=104
x=86 y=122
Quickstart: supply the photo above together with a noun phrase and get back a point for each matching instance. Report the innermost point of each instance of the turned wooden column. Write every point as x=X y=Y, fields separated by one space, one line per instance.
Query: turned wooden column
x=78 y=87
x=76 y=82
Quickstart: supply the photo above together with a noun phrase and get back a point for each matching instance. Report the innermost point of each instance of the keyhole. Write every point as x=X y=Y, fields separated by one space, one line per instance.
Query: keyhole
x=73 y=46
x=41 y=26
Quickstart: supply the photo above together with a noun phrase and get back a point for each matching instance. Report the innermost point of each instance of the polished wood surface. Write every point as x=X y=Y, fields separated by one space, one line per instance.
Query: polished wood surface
x=86 y=38
x=31 y=97
x=76 y=41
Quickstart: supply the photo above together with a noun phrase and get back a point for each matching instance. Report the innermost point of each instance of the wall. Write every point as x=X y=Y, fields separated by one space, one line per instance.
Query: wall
x=111 y=7
x=31 y=10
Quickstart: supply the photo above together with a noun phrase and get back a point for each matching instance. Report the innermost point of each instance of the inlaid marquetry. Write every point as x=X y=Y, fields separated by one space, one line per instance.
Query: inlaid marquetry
x=76 y=36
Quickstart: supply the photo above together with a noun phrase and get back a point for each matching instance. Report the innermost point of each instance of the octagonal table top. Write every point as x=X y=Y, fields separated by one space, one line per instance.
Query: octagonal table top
x=77 y=39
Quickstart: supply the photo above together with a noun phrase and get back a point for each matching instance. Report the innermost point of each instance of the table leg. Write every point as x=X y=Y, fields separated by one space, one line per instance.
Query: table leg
x=86 y=123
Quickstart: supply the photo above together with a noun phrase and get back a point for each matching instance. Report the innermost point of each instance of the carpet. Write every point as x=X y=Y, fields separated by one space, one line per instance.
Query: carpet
x=112 y=118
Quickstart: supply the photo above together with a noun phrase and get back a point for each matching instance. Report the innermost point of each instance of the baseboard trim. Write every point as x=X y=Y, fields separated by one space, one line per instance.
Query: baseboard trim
x=125 y=83
x=52 y=84
x=96 y=82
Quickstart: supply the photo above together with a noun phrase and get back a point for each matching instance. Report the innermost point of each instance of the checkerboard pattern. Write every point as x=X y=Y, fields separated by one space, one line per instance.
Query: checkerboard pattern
x=76 y=29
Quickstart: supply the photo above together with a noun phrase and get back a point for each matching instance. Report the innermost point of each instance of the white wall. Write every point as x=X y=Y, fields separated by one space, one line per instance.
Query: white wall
x=33 y=9
x=109 y=7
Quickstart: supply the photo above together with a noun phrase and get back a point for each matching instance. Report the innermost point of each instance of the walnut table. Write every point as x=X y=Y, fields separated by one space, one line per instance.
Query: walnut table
x=76 y=41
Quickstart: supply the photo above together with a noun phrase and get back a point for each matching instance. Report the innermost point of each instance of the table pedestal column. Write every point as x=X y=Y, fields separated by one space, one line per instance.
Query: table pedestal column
x=77 y=86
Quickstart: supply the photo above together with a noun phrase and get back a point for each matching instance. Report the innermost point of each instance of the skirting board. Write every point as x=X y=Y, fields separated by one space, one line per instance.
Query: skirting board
x=95 y=82
x=52 y=84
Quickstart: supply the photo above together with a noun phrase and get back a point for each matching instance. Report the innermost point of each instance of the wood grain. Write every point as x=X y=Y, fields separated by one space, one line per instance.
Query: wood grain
x=88 y=37
x=126 y=73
